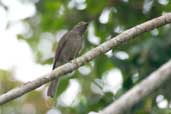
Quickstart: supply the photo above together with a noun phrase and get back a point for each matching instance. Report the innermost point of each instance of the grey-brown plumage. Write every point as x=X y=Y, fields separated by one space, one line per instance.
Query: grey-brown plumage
x=68 y=48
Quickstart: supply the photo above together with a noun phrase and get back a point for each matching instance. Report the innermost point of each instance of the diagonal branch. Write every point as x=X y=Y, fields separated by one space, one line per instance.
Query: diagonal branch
x=144 y=88
x=104 y=47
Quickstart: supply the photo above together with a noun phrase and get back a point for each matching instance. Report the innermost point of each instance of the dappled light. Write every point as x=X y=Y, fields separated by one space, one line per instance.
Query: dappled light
x=30 y=32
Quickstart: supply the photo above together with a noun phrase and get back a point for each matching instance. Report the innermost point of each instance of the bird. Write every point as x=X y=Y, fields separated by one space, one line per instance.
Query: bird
x=68 y=48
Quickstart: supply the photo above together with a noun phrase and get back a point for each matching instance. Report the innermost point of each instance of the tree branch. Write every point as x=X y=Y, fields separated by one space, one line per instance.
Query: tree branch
x=144 y=88
x=74 y=64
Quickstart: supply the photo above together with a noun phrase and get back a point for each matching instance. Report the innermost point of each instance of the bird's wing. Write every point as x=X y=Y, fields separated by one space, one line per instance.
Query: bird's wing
x=61 y=45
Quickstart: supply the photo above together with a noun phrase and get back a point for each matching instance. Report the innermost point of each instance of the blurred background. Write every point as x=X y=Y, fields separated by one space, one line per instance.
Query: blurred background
x=29 y=34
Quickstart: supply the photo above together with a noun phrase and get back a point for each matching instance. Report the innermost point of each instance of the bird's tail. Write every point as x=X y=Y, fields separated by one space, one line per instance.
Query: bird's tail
x=52 y=88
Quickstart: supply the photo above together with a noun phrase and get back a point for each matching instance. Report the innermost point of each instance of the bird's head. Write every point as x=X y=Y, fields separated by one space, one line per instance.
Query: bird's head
x=81 y=27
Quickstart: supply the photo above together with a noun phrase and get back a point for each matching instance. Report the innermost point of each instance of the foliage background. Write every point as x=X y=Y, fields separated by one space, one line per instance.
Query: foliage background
x=134 y=60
